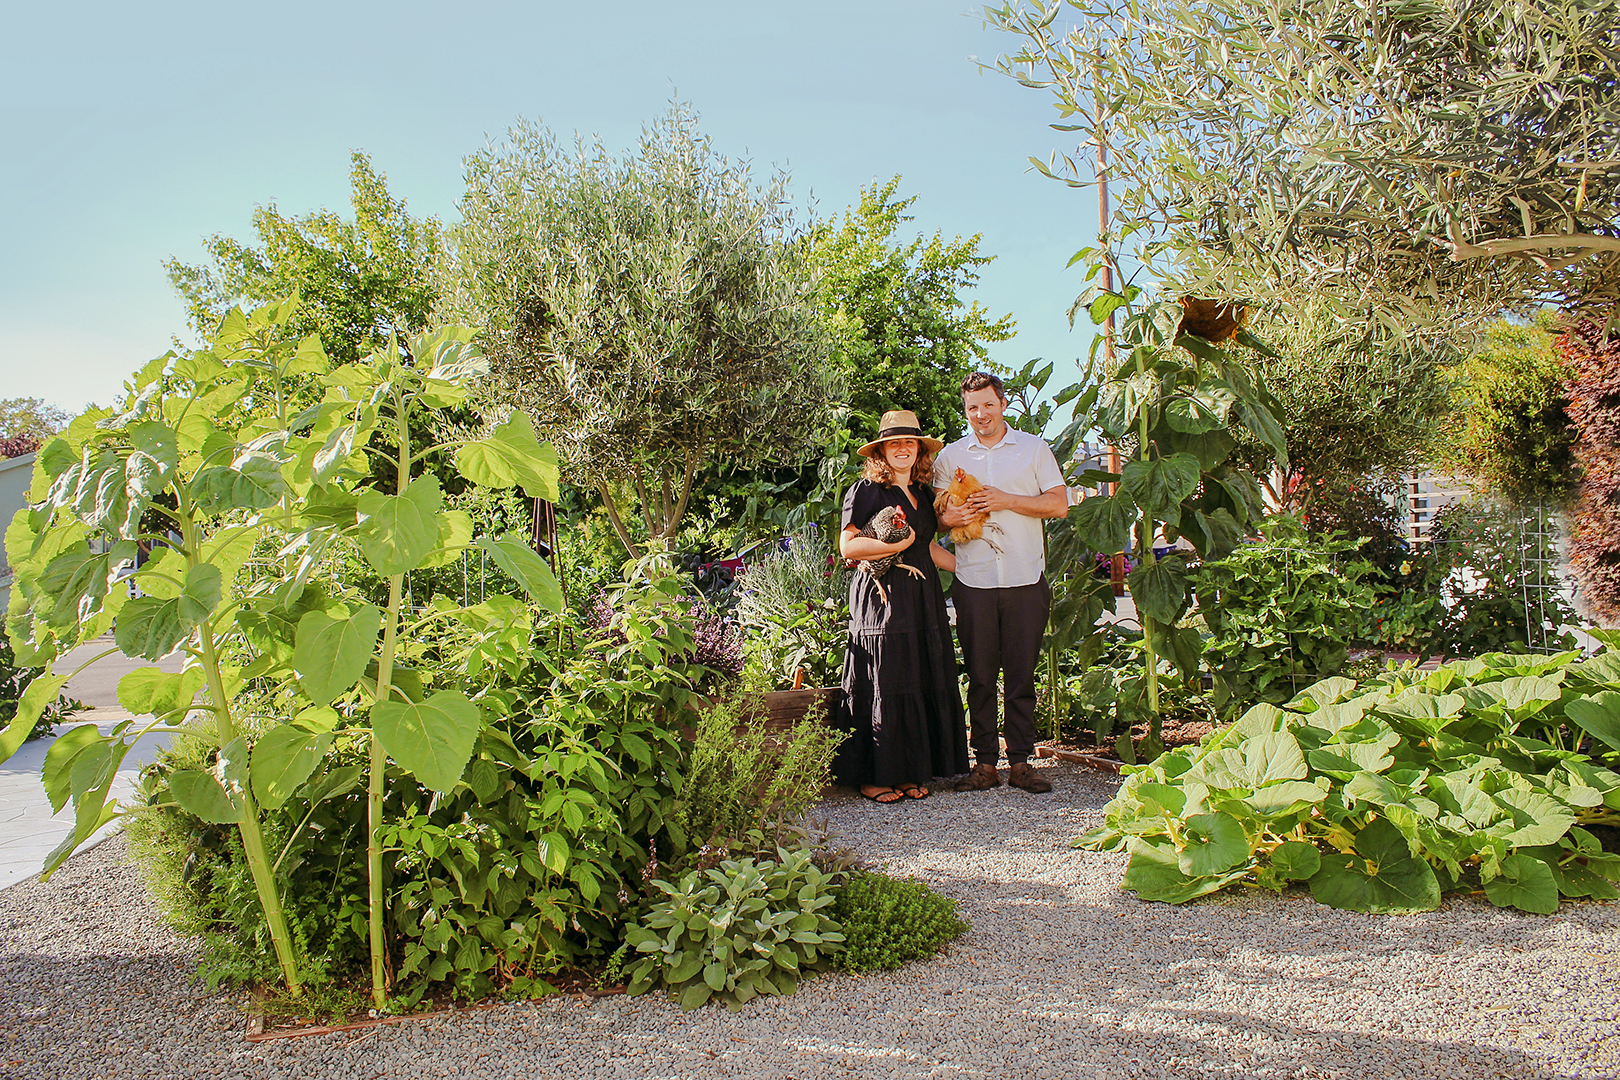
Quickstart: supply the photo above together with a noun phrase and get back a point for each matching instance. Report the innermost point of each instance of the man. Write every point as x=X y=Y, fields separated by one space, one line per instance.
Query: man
x=1002 y=599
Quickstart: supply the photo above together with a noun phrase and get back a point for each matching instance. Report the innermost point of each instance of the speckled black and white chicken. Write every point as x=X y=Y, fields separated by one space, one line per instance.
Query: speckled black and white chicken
x=887 y=526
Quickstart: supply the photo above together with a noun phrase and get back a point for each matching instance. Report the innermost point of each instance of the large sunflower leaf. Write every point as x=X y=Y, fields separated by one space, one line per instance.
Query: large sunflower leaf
x=432 y=739
x=397 y=531
x=330 y=654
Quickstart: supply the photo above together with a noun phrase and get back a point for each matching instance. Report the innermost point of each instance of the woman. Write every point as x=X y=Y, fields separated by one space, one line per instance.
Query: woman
x=901 y=699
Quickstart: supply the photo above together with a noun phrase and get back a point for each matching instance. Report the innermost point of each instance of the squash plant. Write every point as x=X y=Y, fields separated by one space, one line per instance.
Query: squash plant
x=1169 y=403
x=1385 y=796
x=258 y=439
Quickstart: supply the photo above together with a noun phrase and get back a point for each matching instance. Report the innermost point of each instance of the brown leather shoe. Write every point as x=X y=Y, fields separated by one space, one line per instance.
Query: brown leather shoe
x=1022 y=775
x=980 y=778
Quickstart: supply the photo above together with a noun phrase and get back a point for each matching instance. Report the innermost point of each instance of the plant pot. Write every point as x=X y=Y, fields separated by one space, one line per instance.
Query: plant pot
x=782 y=709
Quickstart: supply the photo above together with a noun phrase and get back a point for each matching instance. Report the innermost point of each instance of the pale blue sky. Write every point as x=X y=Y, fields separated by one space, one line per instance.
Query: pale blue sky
x=129 y=132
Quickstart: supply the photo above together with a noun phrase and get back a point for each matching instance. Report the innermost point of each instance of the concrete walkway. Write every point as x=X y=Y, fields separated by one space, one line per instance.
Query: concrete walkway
x=29 y=832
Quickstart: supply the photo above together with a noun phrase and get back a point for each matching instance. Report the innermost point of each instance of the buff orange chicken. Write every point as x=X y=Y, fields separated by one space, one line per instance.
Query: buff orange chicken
x=962 y=485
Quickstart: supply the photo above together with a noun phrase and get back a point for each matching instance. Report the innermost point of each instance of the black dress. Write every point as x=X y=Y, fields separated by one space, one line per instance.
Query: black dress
x=901 y=702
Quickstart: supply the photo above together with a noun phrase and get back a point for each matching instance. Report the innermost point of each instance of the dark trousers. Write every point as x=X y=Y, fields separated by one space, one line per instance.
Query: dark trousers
x=1001 y=631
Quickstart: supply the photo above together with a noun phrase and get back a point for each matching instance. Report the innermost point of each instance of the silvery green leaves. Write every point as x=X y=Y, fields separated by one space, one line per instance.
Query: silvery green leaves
x=736 y=932
x=252 y=481
x=1385 y=796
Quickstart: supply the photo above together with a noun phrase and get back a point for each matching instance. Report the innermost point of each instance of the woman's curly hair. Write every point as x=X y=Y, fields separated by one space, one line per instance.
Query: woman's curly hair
x=877 y=468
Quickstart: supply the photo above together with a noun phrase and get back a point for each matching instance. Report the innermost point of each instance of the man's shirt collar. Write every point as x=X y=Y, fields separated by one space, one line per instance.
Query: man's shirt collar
x=1008 y=437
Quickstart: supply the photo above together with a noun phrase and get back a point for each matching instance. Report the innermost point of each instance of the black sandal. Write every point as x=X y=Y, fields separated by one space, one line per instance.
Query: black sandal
x=878 y=796
x=914 y=791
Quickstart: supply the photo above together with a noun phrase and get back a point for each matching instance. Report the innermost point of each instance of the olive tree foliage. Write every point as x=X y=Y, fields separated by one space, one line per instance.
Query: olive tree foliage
x=358 y=280
x=1428 y=165
x=1351 y=416
x=656 y=311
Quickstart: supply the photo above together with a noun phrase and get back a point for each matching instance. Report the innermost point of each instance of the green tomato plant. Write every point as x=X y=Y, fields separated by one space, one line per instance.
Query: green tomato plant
x=259 y=439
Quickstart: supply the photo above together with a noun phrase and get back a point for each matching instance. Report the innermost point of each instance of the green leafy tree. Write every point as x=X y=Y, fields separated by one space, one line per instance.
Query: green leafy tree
x=25 y=424
x=656 y=311
x=1515 y=437
x=1428 y=166
x=903 y=338
x=30 y=418
x=359 y=280
x=1352 y=416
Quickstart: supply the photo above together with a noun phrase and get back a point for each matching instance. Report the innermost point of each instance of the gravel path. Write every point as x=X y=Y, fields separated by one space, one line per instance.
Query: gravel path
x=1063 y=976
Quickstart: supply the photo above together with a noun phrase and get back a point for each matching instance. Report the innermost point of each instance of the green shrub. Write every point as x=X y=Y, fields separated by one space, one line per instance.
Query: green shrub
x=1498 y=569
x=1512 y=429
x=531 y=863
x=888 y=922
x=734 y=932
x=201 y=880
x=1407 y=612
x=794 y=607
x=1281 y=613
x=740 y=776
x=1384 y=797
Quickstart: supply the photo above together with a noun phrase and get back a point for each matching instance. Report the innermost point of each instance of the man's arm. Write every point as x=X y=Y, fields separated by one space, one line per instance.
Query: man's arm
x=1051 y=503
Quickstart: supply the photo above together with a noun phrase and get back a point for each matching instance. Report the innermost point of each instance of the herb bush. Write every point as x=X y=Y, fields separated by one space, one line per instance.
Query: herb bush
x=743 y=777
x=888 y=922
x=1281 y=613
x=736 y=931
x=794 y=607
x=716 y=646
x=1386 y=796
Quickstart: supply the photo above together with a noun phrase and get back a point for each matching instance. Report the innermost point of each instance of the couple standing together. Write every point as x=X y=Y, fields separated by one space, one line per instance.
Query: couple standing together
x=901 y=694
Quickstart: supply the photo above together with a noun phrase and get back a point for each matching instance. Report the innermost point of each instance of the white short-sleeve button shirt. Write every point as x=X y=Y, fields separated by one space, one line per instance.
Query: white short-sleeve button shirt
x=1020 y=464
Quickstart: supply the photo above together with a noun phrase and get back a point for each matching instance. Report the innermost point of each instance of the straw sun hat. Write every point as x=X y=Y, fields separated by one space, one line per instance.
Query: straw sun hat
x=900 y=424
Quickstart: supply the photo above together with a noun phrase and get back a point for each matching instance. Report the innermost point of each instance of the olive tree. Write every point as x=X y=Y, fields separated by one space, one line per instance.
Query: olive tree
x=1430 y=166
x=654 y=310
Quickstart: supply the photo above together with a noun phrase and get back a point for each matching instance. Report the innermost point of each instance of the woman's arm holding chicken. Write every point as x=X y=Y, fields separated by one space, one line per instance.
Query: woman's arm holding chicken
x=852 y=545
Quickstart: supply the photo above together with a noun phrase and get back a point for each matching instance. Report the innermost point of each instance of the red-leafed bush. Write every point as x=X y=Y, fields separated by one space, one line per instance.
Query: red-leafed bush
x=18 y=445
x=1594 y=406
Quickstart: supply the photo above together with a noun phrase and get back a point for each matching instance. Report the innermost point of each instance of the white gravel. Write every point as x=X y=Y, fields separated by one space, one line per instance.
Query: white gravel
x=1063 y=975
